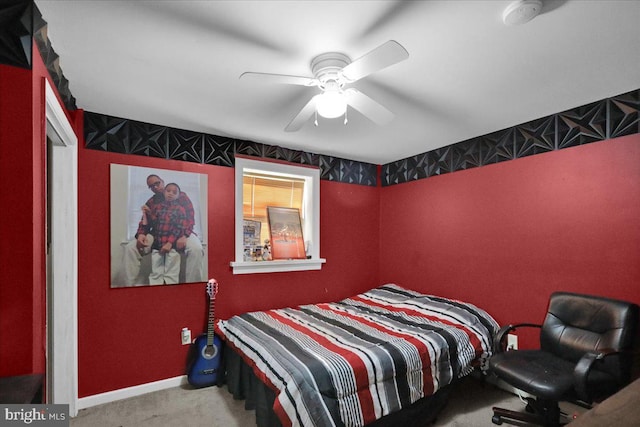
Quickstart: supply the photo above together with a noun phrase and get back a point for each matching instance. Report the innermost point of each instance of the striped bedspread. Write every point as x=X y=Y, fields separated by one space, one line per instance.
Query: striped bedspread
x=356 y=360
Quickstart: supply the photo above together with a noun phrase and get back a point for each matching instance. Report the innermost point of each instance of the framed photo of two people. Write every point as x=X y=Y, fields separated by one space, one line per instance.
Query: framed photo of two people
x=158 y=226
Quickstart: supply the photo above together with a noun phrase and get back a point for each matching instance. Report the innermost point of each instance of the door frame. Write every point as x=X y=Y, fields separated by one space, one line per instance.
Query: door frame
x=62 y=280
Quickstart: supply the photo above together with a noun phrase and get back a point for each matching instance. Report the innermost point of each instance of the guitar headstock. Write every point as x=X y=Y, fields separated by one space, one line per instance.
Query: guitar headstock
x=212 y=288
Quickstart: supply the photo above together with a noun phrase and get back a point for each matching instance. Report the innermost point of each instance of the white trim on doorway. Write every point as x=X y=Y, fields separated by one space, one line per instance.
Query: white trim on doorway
x=62 y=337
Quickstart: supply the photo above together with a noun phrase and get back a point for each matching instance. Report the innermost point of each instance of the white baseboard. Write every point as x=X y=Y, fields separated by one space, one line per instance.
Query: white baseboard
x=124 y=393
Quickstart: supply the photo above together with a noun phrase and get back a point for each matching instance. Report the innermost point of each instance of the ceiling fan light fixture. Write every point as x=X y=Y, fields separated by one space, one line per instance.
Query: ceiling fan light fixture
x=331 y=105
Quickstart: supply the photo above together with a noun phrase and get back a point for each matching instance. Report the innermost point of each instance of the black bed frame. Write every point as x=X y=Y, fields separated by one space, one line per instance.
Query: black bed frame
x=242 y=383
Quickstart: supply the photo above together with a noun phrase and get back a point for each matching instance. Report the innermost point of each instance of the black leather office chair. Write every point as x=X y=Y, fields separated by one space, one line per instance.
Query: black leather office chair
x=586 y=353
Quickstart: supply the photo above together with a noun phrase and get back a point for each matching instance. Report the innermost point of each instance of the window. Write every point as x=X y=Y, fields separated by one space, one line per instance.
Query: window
x=260 y=184
x=261 y=190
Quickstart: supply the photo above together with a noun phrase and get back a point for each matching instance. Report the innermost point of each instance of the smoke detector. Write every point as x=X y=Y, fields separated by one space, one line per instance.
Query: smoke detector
x=521 y=11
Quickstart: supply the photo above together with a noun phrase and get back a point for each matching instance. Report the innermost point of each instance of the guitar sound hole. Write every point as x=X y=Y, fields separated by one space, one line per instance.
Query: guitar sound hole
x=209 y=352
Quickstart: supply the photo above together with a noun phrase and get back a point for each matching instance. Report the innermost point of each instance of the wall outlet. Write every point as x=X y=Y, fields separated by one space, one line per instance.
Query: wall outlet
x=512 y=342
x=185 y=334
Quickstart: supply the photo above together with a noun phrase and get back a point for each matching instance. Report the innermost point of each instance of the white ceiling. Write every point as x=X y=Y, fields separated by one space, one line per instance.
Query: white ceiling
x=177 y=63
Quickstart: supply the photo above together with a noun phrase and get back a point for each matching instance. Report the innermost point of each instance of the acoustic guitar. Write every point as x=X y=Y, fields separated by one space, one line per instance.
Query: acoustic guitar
x=203 y=371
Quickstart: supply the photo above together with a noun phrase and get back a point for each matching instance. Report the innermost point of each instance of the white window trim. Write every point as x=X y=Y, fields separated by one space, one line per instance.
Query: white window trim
x=311 y=228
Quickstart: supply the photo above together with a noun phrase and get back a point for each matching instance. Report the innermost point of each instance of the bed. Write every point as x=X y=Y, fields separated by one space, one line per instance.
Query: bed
x=364 y=360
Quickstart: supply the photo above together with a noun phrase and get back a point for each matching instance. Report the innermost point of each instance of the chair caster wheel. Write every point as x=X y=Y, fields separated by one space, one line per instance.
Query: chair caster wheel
x=496 y=419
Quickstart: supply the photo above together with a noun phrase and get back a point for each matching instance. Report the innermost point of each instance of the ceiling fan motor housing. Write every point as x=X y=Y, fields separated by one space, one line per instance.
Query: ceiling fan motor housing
x=328 y=66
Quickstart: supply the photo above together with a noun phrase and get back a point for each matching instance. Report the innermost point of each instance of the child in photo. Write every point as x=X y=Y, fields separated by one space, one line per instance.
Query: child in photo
x=166 y=222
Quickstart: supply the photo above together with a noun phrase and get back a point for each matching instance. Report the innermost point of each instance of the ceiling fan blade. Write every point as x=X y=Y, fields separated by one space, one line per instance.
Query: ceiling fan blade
x=368 y=107
x=393 y=13
x=279 y=78
x=387 y=54
x=303 y=116
x=204 y=17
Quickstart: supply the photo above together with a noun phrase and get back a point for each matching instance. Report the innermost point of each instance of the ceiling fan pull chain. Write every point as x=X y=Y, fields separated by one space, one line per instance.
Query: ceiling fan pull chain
x=345 y=116
x=316 y=120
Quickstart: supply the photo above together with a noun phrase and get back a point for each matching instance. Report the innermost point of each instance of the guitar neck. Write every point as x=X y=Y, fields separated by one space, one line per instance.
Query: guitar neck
x=211 y=321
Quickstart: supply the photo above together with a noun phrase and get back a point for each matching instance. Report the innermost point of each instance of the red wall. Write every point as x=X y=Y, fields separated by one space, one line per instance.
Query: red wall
x=16 y=255
x=131 y=336
x=505 y=236
x=22 y=250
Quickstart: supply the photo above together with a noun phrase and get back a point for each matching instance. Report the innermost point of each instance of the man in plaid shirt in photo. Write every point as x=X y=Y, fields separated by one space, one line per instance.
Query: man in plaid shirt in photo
x=188 y=243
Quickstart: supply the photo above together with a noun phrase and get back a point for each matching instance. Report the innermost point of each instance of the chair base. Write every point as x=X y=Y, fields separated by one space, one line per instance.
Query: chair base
x=538 y=411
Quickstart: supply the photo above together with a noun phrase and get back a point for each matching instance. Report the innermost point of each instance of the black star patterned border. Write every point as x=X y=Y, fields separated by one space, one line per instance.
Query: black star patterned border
x=606 y=119
x=118 y=135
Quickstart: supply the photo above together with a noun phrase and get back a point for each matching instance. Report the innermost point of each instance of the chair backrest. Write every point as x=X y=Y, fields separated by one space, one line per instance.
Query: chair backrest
x=577 y=323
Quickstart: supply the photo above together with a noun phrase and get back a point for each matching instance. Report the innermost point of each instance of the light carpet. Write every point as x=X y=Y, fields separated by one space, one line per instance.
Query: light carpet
x=469 y=406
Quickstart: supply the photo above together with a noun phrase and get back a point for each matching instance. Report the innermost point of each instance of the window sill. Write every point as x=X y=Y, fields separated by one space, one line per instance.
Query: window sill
x=277 y=266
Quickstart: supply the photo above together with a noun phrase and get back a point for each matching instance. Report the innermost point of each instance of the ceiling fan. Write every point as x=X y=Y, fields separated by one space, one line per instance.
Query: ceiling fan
x=332 y=73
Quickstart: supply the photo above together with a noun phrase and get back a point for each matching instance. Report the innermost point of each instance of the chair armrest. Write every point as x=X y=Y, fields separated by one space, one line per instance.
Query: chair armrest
x=498 y=340
x=581 y=371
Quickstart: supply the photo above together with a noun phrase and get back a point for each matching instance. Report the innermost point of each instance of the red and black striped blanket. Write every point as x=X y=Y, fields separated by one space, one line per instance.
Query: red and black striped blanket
x=356 y=360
